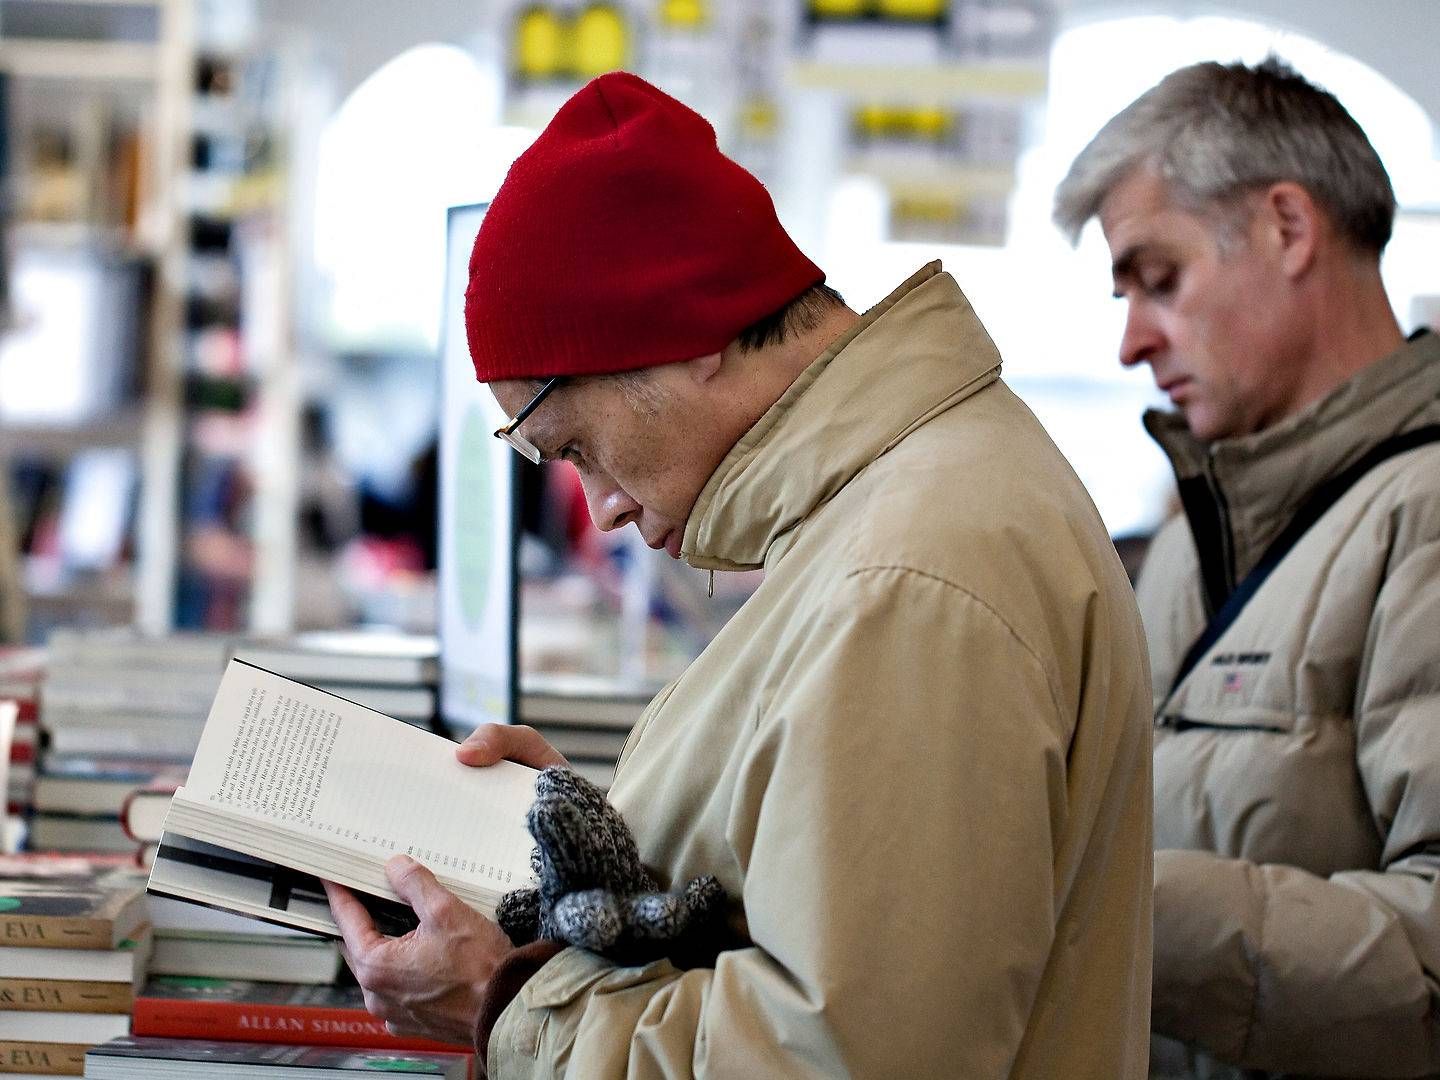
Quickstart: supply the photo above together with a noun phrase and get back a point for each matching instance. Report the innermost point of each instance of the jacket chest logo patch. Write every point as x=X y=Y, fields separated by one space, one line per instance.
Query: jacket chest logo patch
x=1240 y=659
x=1241 y=665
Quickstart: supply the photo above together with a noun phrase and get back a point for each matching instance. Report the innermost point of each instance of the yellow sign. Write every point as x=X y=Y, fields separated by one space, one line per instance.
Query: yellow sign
x=918 y=124
x=839 y=9
x=882 y=10
x=684 y=14
x=551 y=44
x=541 y=44
x=912 y=10
x=601 y=41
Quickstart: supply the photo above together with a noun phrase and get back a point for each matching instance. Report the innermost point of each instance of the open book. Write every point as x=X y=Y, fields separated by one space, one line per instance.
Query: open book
x=291 y=784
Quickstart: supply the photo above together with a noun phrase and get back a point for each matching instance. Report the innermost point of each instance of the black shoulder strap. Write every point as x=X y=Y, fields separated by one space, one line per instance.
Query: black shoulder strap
x=1324 y=497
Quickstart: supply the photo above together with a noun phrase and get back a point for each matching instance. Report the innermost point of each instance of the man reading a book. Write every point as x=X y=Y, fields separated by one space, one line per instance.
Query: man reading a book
x=916 y=760
x=1293 y=609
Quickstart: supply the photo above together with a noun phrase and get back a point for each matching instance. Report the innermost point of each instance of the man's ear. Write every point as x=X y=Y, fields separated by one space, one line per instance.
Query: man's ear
x=704 y=368
x=1297 y=223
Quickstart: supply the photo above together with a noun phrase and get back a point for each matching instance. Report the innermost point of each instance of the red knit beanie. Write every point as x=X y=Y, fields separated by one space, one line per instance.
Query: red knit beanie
x=621 y=239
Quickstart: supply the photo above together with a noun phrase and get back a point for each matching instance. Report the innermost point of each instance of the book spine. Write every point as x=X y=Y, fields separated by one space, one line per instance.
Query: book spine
x=44 y=1059
x=49 y=932
x=62 y=995
x=152 y=788
x=311 y=1025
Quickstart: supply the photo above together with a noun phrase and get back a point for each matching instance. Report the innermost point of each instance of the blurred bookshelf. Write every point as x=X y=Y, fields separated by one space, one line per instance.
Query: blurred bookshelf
x=93 y=97
x=152 y=448
x=240 y=388
x=277 y=468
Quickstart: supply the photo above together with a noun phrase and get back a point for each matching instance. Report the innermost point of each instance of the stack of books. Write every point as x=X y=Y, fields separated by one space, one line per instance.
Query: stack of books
x=242 y=1009
x=75 y=945
x=197 y=1059
x=119 y=710
x=586 y=719
x=200 y=942
x=196 y=942
x=12 y=825
x=79 y=800
x=395 y=674
x=21 y=671
x=248 y=835
x=142 y=815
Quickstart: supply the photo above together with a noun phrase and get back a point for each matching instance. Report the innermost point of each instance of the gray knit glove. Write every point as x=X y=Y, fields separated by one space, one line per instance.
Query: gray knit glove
x=595 y=893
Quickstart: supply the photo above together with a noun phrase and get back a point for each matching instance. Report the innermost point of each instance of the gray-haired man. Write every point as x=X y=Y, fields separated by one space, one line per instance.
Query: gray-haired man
x=1293 y=611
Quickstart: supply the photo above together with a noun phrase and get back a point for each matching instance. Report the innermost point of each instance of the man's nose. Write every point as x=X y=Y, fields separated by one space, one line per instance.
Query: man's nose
x=609 y=505
x=1142 y=338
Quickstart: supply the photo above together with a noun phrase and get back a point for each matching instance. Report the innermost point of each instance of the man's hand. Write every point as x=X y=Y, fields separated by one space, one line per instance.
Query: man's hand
x=490 y=743
x=431 y=982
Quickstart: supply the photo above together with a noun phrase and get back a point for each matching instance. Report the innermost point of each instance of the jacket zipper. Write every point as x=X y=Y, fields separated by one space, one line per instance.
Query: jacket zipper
x=1183 y=723
x=1227 y=538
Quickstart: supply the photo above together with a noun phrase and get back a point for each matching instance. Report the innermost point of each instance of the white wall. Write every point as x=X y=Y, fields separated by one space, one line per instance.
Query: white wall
x=355 y=37
x=1395 y=37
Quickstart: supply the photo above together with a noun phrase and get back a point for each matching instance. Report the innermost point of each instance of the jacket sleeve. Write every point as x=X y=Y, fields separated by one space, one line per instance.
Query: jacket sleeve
x=1272 y=967
x=896 y=815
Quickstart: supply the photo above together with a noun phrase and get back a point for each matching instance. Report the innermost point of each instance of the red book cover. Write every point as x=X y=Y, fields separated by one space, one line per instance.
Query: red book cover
x=197 y=1008
x=143 y=811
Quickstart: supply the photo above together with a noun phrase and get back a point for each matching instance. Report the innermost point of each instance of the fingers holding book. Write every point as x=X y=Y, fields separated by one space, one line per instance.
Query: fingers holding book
x=356 y=925
x=491 y=743
x=431 y=981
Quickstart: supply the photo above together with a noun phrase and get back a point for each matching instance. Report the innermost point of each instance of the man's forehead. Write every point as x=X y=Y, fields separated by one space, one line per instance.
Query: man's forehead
x=1138 y=205
x=1140 y=217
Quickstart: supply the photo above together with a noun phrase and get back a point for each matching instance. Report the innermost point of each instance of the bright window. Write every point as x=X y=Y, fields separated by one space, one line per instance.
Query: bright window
x=1049 y=308
x=418 y=136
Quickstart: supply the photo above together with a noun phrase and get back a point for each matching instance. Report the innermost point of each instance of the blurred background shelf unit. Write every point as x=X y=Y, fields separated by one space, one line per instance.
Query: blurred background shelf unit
x=93 y=99
x=241 y=422
x=147 y=386
x=272 y=177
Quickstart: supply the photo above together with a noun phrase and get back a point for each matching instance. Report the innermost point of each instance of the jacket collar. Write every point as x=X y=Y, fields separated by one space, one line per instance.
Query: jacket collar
x=913 y=355
x=1262 y=479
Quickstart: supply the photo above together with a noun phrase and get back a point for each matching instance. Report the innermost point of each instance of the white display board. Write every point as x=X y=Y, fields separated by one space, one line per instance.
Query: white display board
x=477 y=583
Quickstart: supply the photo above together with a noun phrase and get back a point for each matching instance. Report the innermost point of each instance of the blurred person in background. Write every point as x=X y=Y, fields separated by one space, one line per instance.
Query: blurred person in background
x=1293 y=610
x=917 y=759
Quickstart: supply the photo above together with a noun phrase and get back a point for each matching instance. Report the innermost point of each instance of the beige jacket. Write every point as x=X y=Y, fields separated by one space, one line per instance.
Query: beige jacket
x=917 y=758
x=1297 y=768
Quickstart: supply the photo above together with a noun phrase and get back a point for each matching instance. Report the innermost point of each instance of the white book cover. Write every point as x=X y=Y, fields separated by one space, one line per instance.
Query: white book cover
x=125 y=964
x=62 y=1027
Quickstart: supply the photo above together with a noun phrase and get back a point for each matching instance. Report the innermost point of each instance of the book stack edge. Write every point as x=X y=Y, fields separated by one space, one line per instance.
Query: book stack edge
x=75 y=945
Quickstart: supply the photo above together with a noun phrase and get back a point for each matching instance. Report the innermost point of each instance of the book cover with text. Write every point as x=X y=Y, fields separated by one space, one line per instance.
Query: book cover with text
x=204 y=1008
x=188 y=1057
x=92 y=908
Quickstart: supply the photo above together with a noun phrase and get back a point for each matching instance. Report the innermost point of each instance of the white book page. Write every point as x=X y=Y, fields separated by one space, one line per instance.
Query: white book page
x=322 y=767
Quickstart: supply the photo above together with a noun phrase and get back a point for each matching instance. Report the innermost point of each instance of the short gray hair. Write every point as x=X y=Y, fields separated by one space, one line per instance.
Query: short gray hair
x=1215 y=132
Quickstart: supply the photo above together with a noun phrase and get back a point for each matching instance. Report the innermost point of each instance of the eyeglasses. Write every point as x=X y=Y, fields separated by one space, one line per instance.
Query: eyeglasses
x=526 y=448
